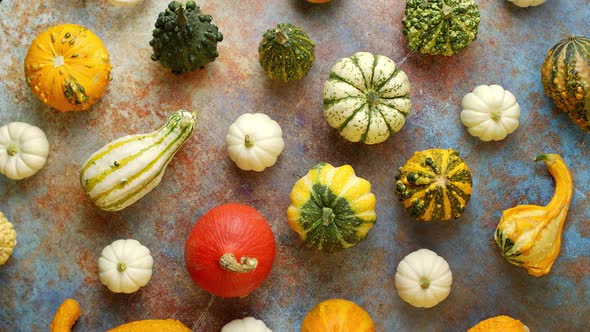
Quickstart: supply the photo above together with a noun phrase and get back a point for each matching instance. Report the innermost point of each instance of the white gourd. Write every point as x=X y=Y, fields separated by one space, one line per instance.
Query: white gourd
x=248 y=324
x=124 y=266
x=423 y=279
x=254 y=142
x=527 y=3
x=490 y=113
x=367 y=98
x=23 y=150
x=126 y=169
x=126 y=3
x=7 y=239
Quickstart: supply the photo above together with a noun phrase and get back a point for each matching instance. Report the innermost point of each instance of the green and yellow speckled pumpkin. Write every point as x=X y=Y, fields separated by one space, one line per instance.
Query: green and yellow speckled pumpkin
x=566 y=77
x=286 y=53
x=434 y=185
x=331 y=208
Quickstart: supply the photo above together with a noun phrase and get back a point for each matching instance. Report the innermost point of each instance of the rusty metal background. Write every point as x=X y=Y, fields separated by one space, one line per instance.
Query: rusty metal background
x=61 y=234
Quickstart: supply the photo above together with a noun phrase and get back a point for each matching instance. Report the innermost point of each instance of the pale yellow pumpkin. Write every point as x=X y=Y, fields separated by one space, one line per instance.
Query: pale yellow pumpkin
x=67 y=66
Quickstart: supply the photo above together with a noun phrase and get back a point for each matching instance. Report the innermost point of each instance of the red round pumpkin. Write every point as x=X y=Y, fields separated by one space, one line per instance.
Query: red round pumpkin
x=230 y=250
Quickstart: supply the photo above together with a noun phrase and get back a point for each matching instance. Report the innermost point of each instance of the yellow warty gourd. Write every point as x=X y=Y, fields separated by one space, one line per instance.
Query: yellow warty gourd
x=7 y=239
x=530 y=235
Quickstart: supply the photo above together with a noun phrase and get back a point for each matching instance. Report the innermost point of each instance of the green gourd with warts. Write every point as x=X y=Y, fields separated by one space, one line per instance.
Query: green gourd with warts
x=184 y=38
x=286 y=53
x=440 y=27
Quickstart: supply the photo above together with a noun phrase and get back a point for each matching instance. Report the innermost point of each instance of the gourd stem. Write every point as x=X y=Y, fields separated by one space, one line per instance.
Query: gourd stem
x=281 y=37
x=180 y=16
x=12 y=150
x=248 y=141
x=424 y=283
x=229 y=262
x=328 y=216
x=447 y=11
x=562 y=177
x=121 y=267
x=496 y=115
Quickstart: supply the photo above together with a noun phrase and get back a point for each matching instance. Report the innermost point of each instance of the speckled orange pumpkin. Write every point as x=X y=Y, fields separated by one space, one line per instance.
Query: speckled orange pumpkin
x=67 y=66
x=500 y=324
x=337 y=315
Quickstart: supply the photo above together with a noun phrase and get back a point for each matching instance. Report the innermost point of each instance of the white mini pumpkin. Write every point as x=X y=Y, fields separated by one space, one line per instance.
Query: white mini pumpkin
x=423 y=279
x=126 y=3
x=366 y=98
x=527 y=3
x=490 y=113
x=254 y=141
x=23 y=150
x=248 y=324
x=124 y=266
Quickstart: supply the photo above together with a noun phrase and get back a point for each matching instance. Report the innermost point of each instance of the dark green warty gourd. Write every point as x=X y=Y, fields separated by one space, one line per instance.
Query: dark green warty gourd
x=440 y=27
x=184 y=38
x=286 y=53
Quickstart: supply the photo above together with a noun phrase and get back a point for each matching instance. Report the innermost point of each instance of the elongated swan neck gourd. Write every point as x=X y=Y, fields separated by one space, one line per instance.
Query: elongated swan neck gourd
x=126 y=169
x=530 y=235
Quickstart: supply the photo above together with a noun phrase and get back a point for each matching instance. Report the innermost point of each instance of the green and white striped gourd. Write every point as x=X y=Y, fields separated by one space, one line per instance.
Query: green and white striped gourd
x=367 y=98
x=126 y=169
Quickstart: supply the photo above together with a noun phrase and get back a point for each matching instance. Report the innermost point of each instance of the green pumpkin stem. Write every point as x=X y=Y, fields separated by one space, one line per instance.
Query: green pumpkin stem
x=281 y=37
x=180 y=16
x=328 y=216
x=424 y=283
x=447 y=11
x=12 y=150
x=229 y=262
x=248 y=141
x=121 y=267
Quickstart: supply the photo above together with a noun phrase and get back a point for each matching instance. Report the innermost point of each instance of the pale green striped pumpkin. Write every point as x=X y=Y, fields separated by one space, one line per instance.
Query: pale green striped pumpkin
x=126 y=169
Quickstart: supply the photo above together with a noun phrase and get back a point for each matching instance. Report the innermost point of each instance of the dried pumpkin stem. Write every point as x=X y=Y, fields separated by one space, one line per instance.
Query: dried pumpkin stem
x=328 y=216
x=447 y=11
x=281 y=37
x=12 y=150
x=229 y=262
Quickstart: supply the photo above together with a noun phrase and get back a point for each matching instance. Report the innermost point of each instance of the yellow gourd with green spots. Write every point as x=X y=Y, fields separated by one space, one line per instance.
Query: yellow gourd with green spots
x=331 y=208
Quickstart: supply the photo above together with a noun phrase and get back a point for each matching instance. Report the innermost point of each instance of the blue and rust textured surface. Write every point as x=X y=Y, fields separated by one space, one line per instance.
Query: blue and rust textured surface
x=61 y=234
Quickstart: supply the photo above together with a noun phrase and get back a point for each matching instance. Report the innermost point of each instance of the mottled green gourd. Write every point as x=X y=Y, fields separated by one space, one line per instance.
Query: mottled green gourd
x=184 y=38
x=441 y=27
x=286 y=53
x=566 y=77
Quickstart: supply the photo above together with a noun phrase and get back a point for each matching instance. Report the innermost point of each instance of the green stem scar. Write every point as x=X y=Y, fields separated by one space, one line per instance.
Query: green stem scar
x=372 y=99
x=12 y=150
x=496 y=115
x=328 y=216
x=424 y=283
x=248 y=141
x=121 y=267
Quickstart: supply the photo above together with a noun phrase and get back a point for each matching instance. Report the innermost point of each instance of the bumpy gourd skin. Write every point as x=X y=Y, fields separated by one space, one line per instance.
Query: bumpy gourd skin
x=286 y=53
x=566 y=78
x=7 y=239
x=184 y=38
x=441 y=27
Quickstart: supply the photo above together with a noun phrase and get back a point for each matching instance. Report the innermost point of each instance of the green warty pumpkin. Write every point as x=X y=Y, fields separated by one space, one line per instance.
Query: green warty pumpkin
x=184 y=38
x=566 y=77
x=286 y=53
x=434 y=185
x=443 y=27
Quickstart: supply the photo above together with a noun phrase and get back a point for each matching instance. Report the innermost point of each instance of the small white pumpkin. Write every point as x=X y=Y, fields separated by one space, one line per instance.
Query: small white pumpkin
x=490 y=113
x=7 y=239
x=126 y=3
x=124 y=266
x=423 y=279
x=254 y=141
x=23 y=150
x=527 y=3
x=248 y=324
x=366 y=98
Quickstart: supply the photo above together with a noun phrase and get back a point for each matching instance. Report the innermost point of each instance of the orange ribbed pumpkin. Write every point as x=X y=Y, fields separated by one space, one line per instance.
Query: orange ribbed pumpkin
x=337 y=315
x=67 y=66
x=500 y=324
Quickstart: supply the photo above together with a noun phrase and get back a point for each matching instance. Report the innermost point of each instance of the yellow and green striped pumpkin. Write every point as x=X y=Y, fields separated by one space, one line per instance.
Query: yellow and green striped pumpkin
x=331 y=208
x=126 y=169
x=434 y=185
x=566 y=77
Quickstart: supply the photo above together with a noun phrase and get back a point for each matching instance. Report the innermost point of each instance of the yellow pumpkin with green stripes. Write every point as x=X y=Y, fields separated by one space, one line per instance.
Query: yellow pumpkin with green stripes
x=126 y=169
x=331 y=208
x=434 y=185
